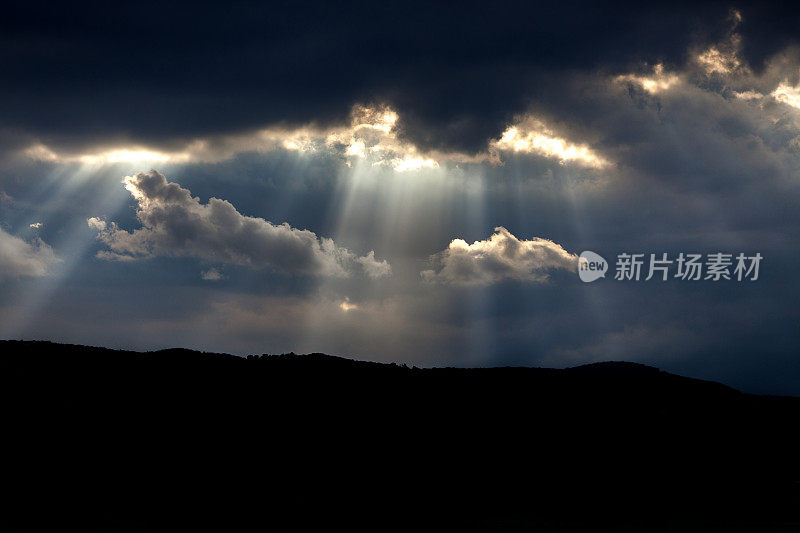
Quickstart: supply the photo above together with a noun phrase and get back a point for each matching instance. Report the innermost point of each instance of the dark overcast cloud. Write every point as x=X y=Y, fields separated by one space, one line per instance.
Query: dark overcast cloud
x=456 y=72
x=275 y=96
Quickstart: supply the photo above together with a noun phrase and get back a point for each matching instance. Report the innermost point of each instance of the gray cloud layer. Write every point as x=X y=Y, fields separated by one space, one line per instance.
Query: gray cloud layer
x=176 y=224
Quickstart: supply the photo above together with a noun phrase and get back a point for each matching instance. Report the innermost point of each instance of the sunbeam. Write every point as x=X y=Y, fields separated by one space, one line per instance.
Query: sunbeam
x=66 y=203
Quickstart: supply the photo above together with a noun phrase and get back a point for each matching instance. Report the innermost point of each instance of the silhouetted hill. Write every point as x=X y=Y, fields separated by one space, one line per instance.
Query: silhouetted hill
x=106 y=440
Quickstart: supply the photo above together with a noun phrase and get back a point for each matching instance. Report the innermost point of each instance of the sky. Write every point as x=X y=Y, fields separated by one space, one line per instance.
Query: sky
x=406 y=182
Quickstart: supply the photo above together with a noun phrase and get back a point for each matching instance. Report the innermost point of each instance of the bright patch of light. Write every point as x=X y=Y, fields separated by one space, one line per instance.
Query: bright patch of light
x=370 y=136
x=300 y=141
x=357 y=149
x=657 y=83
x=717 y=62
x=748 y=95
x=117 y=155
x=536 y=138
x=787 y=94
x=413 y=163
x=131 y=156
x=370 y=118
x=347 y=306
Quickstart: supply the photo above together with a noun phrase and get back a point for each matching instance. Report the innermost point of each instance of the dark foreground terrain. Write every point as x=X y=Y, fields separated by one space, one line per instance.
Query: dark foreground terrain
x=103 y=440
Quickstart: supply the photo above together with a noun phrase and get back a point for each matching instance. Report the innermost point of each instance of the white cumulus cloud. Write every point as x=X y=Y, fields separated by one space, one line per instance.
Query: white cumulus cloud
x=19 y=258
x=174 y=223
x=500 y=257
x=373 y=268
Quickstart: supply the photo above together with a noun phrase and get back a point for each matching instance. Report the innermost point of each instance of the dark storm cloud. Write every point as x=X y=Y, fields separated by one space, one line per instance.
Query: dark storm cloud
x=155 y=72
